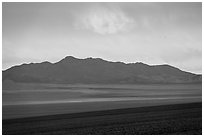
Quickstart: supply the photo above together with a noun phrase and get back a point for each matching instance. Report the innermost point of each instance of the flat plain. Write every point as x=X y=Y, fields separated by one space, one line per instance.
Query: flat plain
x=102 y=109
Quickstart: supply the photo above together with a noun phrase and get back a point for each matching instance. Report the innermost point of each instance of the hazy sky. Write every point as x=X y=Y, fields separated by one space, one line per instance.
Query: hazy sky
x=152 y=33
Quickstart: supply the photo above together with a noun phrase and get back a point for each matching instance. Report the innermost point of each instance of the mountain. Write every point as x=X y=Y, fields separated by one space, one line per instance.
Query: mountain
x=96 y=70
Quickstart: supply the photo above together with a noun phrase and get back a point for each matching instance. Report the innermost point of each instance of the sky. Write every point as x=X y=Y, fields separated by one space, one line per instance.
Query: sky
x=152 y=33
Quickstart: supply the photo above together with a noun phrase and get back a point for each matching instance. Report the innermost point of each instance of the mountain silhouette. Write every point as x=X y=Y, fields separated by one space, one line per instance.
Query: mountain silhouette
x=97 y=71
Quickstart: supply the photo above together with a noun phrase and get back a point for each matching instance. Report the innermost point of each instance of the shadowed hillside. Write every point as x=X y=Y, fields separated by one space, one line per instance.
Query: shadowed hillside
x=96 y=70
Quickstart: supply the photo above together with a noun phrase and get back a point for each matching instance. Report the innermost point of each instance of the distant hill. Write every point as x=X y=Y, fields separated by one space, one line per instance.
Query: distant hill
x=96 y=70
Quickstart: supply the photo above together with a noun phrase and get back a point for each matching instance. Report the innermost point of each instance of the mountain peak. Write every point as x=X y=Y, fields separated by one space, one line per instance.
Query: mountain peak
x=72 y=59
x=97 y=70
x=95 y=59
x=68 y=59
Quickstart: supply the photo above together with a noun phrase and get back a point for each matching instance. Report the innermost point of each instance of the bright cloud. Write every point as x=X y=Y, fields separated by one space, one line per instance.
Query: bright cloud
x=152 y=33
x=105 y=21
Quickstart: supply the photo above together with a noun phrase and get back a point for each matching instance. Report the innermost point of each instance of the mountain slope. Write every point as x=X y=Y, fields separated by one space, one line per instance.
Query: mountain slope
x=96 y=70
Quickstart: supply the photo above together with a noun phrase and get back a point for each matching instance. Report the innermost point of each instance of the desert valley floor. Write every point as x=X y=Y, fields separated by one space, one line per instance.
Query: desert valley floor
x=102 y=109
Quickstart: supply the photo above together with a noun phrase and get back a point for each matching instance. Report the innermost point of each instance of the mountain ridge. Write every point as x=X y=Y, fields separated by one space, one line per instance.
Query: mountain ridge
x=97 y=70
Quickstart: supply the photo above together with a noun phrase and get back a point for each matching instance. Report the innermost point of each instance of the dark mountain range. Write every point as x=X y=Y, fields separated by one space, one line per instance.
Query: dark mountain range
x=96 y=70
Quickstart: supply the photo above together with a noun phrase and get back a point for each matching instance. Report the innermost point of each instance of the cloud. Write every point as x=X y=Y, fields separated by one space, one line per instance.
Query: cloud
x=105 y=21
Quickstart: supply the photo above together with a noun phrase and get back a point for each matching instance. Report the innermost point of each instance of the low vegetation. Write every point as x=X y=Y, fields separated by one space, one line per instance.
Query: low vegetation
x=167 y=119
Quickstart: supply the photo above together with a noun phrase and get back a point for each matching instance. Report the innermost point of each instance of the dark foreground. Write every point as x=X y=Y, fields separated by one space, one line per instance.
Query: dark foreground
x=166 y=119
